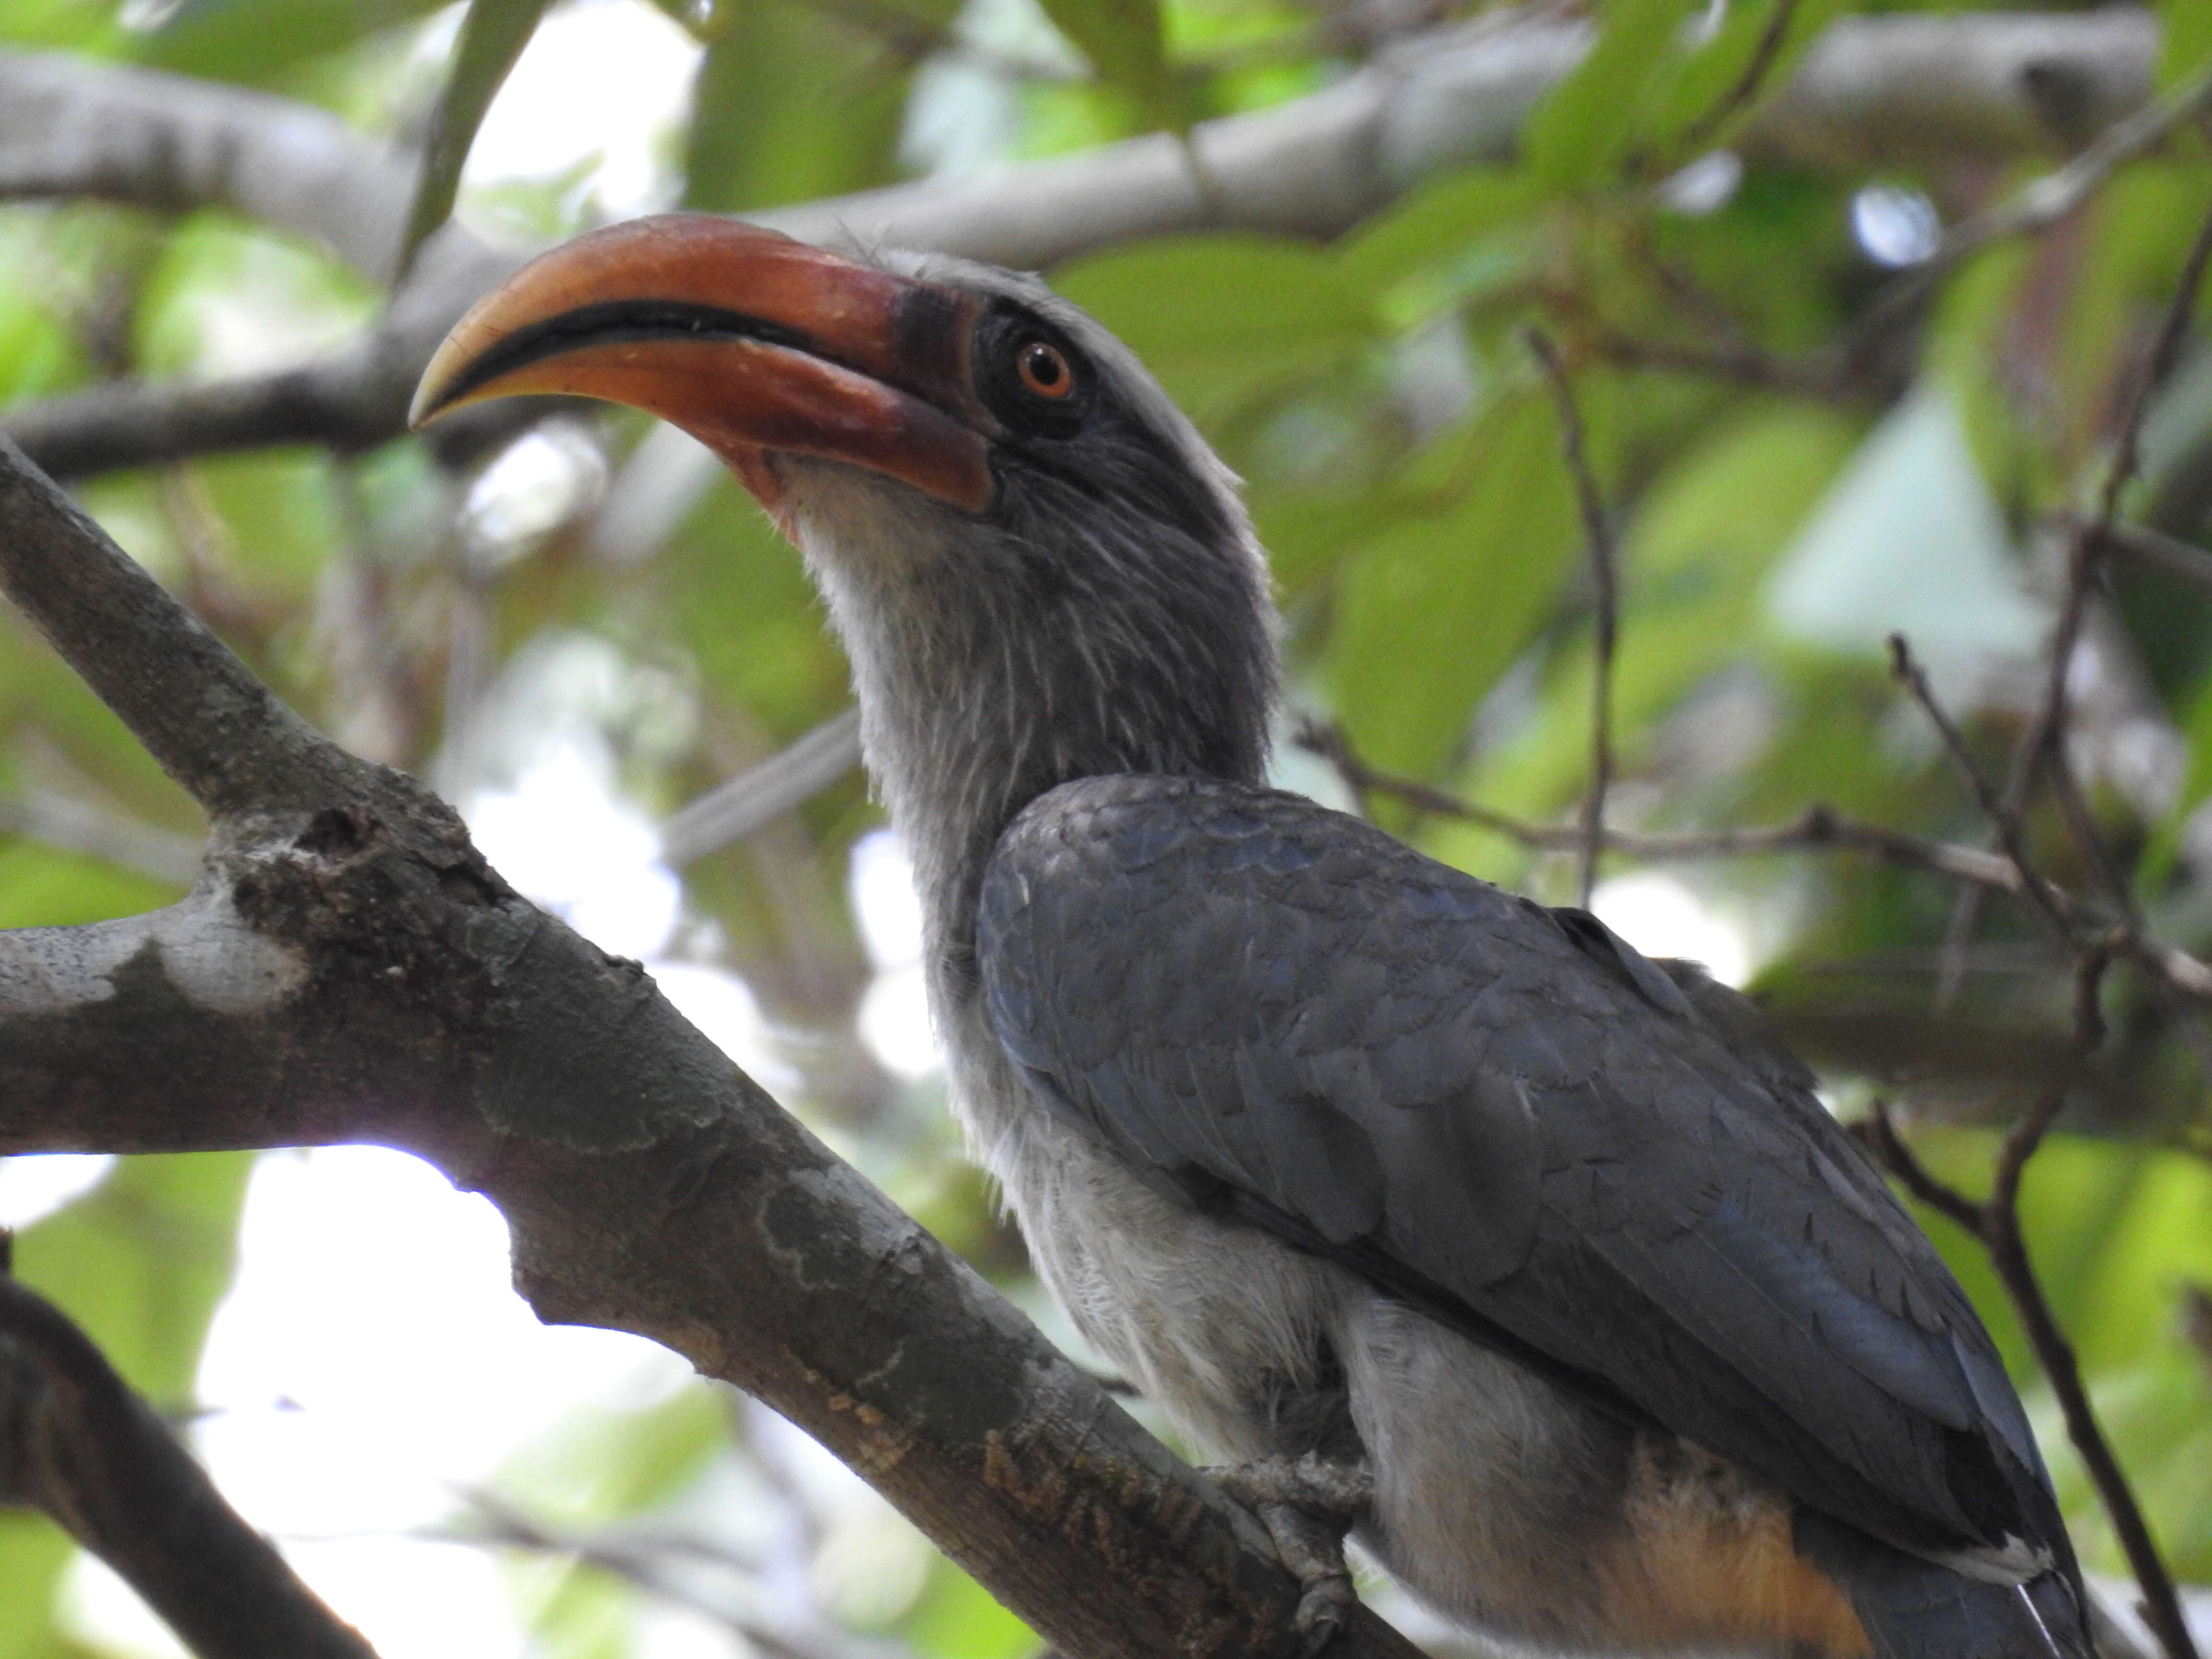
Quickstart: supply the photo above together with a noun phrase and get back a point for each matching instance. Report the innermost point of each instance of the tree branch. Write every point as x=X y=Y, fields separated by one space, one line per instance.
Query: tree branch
x=1605 y=583
x=60 y=821
x=644 y=1559
x=76 y=1441
x=216 y=729
x=758 y=796
x=348 y=969
x=1872 y=89
x=1996 y=1223
x=71 y=128
x=1817 y=828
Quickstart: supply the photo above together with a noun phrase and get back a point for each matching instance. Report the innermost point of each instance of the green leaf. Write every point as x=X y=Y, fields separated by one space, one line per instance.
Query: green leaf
x=1435 y=224
x=1223 y=317
x=573 y=1609
x=2184 y=33
x=255 y=41
x=758 y=136
x=597 y=1464
x=1586 y=125
x=43 y=886
x=34 y=1553
x=1716 y=88
x=957 y=1618
x=492 y=38
x=1692 y=558
x=1127 y=44
x=1435 y=608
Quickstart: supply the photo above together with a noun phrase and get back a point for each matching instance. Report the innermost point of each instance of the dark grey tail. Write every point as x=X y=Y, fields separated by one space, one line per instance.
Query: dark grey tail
x=1914 y=1609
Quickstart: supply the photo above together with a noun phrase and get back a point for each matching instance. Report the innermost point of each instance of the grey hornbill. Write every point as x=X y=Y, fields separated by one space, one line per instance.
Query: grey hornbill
x=1436 y=1211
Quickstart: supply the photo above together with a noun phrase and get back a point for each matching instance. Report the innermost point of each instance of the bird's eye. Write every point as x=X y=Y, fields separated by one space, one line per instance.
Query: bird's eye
x=1043 y=369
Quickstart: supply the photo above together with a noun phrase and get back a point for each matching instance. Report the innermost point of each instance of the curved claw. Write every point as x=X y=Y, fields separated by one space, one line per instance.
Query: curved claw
x=1324 y=1610
x=1308 y=1504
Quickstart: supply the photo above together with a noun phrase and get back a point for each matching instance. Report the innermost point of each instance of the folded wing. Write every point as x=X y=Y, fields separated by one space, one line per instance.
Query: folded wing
x=1504 y=1113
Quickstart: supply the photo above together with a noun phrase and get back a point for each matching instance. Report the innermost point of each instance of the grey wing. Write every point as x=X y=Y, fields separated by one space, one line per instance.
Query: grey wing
x=1505 y=1114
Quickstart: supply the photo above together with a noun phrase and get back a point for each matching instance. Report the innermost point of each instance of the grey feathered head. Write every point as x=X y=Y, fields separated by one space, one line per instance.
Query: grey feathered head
x=1040 y=569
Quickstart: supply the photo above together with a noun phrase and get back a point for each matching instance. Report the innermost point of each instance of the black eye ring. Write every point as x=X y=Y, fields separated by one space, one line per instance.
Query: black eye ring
x=1043 y=369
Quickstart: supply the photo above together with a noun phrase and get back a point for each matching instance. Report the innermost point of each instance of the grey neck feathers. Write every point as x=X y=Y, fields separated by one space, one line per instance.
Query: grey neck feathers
x=991 y=666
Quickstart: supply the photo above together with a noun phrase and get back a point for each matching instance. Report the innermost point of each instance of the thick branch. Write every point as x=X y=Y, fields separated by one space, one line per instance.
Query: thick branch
x=76 y=1441
x=70 y=128
x=216 y=729
x=1910 y=88
x=1886 y=88
x=349 y=968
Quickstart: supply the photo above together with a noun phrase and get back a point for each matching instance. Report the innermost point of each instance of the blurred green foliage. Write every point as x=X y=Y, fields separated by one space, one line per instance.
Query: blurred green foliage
x=1403 y=463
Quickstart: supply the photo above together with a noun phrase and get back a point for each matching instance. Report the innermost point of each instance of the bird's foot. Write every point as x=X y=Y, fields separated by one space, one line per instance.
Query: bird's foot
x=1308 y=1504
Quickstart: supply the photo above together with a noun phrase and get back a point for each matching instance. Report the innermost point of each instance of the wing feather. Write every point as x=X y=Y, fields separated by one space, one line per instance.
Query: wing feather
x=1507 y=1114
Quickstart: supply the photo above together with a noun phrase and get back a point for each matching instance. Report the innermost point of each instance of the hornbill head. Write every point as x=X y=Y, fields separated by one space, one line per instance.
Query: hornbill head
x=1039 y=569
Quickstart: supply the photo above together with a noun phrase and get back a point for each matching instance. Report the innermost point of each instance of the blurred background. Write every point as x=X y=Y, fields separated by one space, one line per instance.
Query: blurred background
x=578 y=631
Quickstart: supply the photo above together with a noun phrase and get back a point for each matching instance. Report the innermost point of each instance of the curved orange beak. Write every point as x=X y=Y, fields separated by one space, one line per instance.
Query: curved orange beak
x=753 y=343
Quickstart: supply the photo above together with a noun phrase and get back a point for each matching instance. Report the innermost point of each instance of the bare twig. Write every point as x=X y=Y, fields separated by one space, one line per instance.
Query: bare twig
x=2196 y=1319
x=76 y=1441
x=1817 y=828
x=61 y=820
x=2005 y=822
x=1605 y=583
x=2154 y=550
x=644 y=1561
x=2087 y=545
x=1996 y=1223
x=1890 y=1149
x=2043 y=202
x=2042 y=746
x=1746 y=89
x=1823 y=374
x=761 y=795
x=2007 y=1249
x=1848 y=366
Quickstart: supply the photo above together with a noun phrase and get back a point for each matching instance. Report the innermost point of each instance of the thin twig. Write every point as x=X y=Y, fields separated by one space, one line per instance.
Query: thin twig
x=1845 y=367
x=2090 y=541
x=1605 y=581
x=1814 y=375
x=2004 y=821
x=1818 y=829
x=1890 y=1149
x=2196 y=1319
x=1996 y=1224
x=2035 y=206
x=2042 y=745
x=1739 y=96
x=2161 y=1609
x=757 y=797
x=643 y=1562
x=2156 y=551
